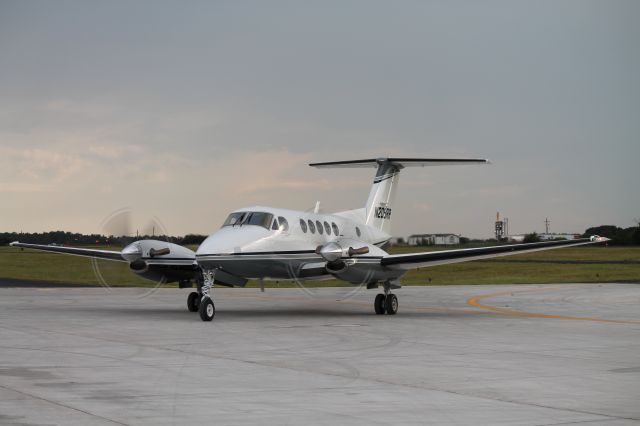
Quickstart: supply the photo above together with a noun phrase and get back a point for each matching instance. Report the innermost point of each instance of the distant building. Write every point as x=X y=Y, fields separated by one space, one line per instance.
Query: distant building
x=433 y=239
x=554 y=236
x=518 y=238
x=395 y=241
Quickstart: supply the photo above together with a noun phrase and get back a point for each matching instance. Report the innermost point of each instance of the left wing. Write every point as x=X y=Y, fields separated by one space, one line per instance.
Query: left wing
x=420 y=260
x=102 y=254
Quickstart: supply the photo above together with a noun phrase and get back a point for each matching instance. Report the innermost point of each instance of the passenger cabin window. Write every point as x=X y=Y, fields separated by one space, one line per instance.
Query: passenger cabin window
x=249 y=218
x=319 y=226
x=312 y=227
x=303 y=225
x=327 y=228
x=284 y=225
x=358 y=232
x=335 y=229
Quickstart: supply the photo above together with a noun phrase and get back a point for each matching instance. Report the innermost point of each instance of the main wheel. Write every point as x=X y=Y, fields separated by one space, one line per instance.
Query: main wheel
x=207 y=310
x=378 y=304
x=193 y=301
x=391 y=304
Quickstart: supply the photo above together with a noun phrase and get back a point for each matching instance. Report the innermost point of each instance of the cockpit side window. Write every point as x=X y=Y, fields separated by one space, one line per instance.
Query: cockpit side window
x=284 y=224
x=274 y=227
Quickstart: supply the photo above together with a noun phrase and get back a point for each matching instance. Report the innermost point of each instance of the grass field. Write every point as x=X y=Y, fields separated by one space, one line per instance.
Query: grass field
x=540 y=267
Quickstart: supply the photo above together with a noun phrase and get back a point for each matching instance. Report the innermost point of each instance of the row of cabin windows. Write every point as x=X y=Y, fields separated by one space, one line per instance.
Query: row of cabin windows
x=321 y=227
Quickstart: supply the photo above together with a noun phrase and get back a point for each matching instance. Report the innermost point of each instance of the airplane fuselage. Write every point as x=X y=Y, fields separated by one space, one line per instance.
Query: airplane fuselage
x=276 y=244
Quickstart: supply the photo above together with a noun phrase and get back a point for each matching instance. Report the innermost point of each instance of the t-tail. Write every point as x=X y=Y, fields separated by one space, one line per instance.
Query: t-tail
x=379 y=208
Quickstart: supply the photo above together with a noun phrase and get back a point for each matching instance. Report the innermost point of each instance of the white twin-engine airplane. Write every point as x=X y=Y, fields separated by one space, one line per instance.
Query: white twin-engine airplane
x=267 y=243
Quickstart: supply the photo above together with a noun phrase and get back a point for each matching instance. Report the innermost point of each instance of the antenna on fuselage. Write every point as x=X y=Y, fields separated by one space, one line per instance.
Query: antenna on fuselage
x=317 y=207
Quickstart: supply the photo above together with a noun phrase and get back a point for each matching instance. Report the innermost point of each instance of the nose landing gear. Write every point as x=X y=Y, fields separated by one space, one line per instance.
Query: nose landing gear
x=193 y=301
x=207 y=309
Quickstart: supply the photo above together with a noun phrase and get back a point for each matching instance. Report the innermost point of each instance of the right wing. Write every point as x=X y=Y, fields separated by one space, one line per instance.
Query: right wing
x=420 y=260
x=102 y=254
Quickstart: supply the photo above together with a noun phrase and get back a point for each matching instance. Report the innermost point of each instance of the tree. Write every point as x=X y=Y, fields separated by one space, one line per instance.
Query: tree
x=531 y=238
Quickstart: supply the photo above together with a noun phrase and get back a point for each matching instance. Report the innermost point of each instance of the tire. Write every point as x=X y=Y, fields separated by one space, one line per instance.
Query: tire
x=207 y=310
x=391 y=304
x=379 y=304
x=193 y=301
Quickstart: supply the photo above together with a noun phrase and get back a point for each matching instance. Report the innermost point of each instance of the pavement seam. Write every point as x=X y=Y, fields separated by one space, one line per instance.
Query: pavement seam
x=59 y=404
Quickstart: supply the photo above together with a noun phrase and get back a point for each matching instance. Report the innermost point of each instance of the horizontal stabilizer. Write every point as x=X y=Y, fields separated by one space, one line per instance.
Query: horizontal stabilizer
x=400 y=162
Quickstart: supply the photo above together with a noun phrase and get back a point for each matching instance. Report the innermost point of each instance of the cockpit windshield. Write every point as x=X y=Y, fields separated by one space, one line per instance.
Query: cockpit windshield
x=249 y=218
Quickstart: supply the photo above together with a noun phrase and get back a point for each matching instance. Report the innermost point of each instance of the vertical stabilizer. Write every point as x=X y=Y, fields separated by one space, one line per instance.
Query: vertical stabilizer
x=382 y=196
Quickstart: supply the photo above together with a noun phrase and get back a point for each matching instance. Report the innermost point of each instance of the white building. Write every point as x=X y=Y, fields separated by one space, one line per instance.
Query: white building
x=433 y=239
x=518 y=238
x=555 y=236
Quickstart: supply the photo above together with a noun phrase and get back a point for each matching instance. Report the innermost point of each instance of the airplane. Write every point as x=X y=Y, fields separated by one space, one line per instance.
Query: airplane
x=266 y=243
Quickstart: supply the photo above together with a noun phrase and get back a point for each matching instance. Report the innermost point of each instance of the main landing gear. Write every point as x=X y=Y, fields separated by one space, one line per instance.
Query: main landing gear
x=386 y=303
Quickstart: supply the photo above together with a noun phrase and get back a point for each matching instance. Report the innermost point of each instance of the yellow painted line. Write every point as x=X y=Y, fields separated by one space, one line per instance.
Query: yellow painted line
x=324 y=301
x=475 y=302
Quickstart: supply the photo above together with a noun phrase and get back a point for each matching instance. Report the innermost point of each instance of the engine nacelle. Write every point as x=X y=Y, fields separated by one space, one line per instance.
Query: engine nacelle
x=354 y=261
x=159 y=260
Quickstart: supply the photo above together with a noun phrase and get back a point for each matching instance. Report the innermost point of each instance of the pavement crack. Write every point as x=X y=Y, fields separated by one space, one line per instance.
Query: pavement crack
x=60 y=404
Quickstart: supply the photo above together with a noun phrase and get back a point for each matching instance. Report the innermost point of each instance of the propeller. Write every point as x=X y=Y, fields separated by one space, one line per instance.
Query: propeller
x=332 y=251
x=120 y=224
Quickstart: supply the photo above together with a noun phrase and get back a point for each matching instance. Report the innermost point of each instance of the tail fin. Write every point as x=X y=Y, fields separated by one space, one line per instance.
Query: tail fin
x=382 y=195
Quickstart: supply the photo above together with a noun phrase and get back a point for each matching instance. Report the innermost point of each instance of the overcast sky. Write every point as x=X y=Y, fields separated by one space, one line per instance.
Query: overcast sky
x=187 y=110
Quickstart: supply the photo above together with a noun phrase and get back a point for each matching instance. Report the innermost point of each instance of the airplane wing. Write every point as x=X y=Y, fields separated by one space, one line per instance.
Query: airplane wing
x=425 y=259
x=102 y=254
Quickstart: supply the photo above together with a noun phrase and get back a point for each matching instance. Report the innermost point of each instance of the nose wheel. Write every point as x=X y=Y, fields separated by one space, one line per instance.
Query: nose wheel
x=386 y=303
x=207 y=309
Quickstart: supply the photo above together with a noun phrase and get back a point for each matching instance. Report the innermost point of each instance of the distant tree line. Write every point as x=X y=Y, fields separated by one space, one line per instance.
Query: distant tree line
x=619 y=236
x=70 y=238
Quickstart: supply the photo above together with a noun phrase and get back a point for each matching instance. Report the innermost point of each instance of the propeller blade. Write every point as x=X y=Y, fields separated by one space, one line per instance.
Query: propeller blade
x=153 y=228
x=118 y=224
x=361 y=250
x=160 y=252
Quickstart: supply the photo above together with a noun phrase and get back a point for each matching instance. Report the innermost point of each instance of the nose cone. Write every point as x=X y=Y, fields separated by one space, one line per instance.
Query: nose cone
x=229 y=240
x=330 y=252
x=132 y=252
